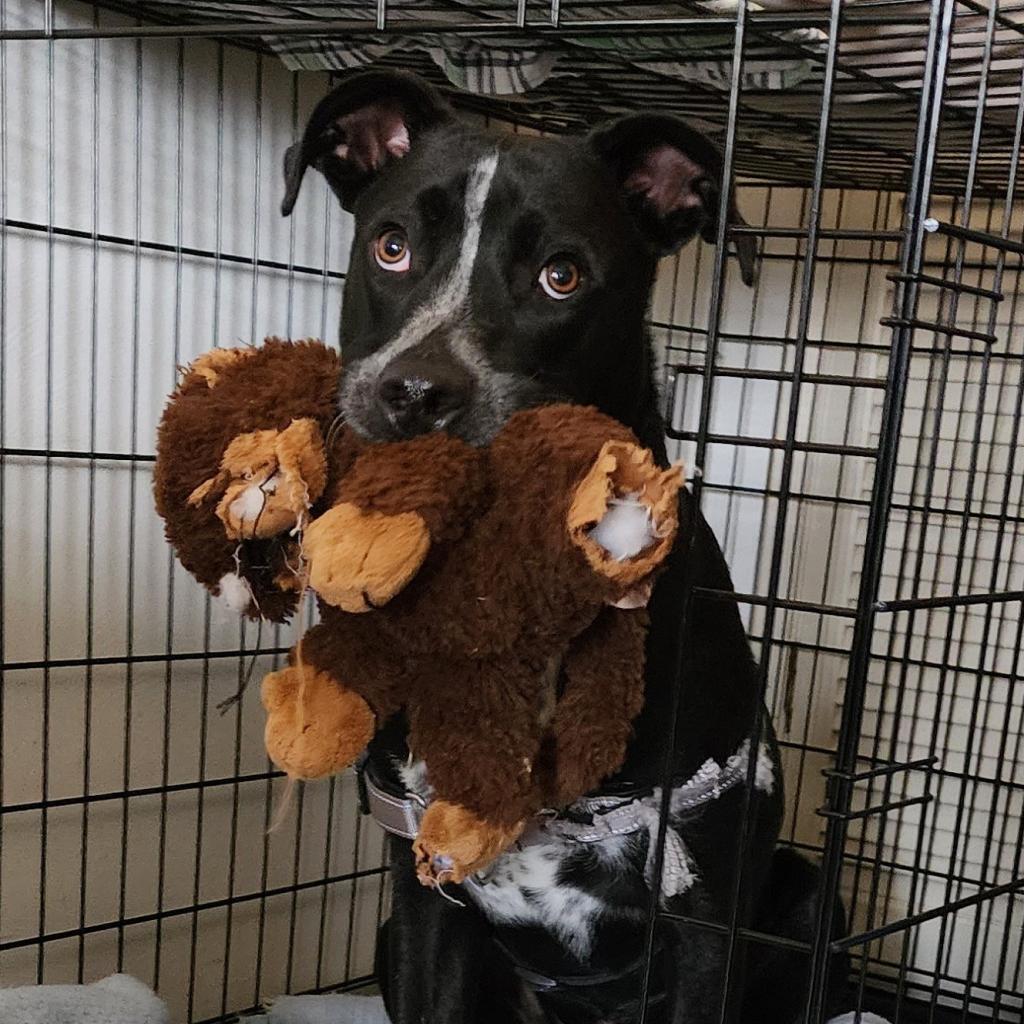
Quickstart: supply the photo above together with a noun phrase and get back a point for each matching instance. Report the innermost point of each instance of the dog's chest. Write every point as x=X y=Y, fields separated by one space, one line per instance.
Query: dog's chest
x=544 y=885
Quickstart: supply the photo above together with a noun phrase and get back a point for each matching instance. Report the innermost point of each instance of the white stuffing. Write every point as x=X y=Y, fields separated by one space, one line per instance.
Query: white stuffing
x=234 y=592
x=626 y=528
x=248 y=506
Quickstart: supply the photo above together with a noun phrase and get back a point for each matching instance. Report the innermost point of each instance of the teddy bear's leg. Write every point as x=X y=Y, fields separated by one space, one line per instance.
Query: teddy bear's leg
x=603 y=693
x=453 y=843
x=316 y=726
x=479 y=732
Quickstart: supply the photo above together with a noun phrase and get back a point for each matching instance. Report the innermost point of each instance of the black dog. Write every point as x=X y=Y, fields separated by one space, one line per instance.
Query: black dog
x=492 y=273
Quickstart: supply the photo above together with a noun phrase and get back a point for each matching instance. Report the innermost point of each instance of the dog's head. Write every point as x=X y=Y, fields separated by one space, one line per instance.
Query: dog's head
x=489 y=273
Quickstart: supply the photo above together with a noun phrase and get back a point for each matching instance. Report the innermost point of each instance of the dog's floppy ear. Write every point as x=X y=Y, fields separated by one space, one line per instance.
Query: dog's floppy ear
x=671 y=175
x=357 y=128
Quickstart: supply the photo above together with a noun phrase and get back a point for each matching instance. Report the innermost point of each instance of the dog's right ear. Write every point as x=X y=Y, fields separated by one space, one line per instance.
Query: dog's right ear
x=357 y=128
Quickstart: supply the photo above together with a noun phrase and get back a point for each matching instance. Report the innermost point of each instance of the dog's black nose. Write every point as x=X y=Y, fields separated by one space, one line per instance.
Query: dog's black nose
x=418 y=396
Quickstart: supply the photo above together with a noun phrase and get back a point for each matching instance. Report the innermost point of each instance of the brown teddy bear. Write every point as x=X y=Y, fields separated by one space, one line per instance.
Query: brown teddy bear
x=489 y=575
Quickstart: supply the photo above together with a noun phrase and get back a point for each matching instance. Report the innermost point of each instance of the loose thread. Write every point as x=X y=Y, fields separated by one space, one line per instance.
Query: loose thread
x=284 y=806
x=229 y=702
x=439 y=886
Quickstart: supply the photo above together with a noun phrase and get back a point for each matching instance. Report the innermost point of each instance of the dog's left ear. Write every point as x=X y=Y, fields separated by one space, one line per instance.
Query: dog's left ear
x=671 y=175
x=355 y=130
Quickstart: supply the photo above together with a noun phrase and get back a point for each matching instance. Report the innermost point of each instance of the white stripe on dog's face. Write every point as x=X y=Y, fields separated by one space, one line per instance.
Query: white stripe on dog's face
x=448 y=304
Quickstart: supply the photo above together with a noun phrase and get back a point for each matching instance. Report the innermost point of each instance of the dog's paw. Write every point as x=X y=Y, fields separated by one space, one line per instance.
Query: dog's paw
x=315 y=725
x=360 y=560
x=453 y=843
x=624 y=516
x=268 y=480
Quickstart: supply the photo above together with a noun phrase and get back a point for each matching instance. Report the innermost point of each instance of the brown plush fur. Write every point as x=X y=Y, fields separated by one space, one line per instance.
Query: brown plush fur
x=225 y=393
x=483 y=587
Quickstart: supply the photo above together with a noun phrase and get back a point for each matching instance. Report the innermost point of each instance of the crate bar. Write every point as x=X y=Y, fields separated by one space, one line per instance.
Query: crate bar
x=163 y=915
x=785 y=376
x=47 y=608
x=749 y=934
x=972 y=235
x=886 y=769
x=739 y=895
x=992 y=11
x=771 y=442
x=129 y=621
x=913 y=323
x=941 y=282
x=829 y=234
x=855 y=502
x=871 y=812
x=3 y=417
x=361 y=26
x=87 y=747
x=862 y=938
x=952 y=601
x=839 y=792
x=56 y=454
x=764 y=600
x=143 y=791
x=167 y=247
x=739 y=26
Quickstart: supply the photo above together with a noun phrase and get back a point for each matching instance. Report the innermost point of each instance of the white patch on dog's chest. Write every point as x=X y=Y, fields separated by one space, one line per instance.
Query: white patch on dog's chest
x=529 y=885
x=523 y=887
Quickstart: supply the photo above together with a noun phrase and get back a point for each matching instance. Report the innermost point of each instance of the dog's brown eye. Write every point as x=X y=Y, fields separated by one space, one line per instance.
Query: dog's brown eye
x=559 y=278
x=392 y=250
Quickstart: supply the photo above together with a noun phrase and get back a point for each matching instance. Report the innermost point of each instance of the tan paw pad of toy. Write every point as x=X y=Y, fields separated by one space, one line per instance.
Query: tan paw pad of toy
x=361 y=560
x=315 y=726
x=453 y=843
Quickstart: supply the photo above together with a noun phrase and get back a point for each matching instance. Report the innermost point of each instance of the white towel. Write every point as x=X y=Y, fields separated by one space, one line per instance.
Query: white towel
x=334 y=1009
x=352 y=1009
x=119 y=999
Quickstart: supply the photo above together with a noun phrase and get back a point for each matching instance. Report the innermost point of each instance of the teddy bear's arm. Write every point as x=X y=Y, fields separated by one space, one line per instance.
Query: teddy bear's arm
x=439 y=477
x=385 y=513
x=604 y=691
x=571 y=468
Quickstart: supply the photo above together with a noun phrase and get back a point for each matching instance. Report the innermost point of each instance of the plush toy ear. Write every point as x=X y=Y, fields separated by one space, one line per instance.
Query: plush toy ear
x=355 y=130
x=671 y=175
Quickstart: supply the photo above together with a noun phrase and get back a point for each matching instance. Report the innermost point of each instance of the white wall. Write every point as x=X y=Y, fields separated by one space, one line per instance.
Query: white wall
x=147 y=143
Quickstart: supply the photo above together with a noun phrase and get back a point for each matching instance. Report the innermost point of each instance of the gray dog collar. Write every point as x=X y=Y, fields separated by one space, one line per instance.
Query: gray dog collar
x=605 y=817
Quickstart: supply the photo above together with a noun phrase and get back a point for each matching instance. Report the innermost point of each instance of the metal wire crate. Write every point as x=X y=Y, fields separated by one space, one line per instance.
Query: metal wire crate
x=854 y=420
